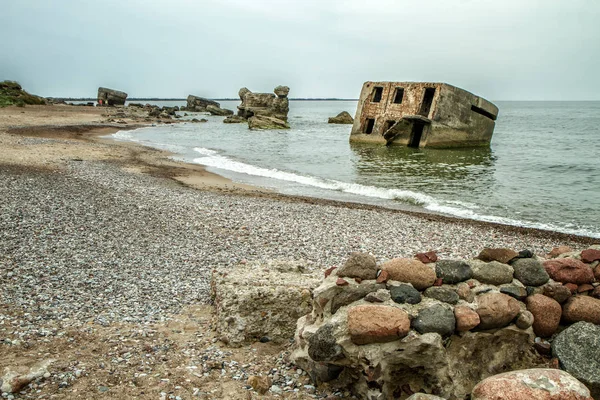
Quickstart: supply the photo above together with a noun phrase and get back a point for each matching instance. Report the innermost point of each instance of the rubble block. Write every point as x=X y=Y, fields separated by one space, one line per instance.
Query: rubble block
x=261 y=109
x=199 y=104
x=111 y=97
x=262 y=300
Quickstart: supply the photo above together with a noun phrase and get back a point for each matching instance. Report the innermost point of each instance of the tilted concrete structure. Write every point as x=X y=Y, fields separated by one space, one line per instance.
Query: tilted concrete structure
x=422 y=114
x=111 y=97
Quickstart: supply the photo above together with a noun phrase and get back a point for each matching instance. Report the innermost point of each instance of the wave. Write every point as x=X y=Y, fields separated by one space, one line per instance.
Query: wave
x=211 y=158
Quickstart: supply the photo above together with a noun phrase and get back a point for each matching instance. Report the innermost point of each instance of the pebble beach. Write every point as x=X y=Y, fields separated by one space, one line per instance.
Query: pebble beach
x=94 y=244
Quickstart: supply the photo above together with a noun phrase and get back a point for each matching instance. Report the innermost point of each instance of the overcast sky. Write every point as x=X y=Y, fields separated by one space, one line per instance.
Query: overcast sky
x=499 y=49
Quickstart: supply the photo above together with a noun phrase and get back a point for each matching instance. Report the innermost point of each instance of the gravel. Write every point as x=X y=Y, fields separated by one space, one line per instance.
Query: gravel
x=94 y=243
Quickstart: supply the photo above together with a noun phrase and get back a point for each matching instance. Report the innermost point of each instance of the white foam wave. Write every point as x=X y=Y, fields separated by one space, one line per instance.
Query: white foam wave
x=454 y=208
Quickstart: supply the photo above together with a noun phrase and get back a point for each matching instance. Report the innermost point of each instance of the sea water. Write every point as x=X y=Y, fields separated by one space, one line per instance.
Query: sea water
x=542 y=169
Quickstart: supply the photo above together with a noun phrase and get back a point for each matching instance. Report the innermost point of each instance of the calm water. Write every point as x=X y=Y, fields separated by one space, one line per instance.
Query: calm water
x=542 y=170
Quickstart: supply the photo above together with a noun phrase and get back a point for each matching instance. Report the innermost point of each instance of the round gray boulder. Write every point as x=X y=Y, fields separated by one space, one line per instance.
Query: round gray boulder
x=441 y=293
x=530 y=272
x=578 y=351
x=437 y=319
x=453 y=271
x=405 y=294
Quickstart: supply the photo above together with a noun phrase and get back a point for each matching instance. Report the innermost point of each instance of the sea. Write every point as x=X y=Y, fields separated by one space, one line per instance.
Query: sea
x=542 y=169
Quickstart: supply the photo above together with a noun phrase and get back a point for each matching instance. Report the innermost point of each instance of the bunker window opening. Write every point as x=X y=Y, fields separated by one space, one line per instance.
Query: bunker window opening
x=399 y=95
x=427 y=100
x=377 y=94
x=369 y=124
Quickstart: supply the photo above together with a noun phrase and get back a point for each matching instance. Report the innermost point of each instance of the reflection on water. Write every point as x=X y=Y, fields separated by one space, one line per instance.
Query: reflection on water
x=441 y=171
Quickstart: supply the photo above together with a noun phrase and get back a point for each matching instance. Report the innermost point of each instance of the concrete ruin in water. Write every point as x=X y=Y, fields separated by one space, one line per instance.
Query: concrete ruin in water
x=422 y=114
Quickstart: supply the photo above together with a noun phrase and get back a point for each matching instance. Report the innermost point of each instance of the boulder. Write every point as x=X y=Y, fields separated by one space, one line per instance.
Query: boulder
x=353 y=293
x=262 y=122
x=500 y=255
x=377 y=324
x=557 y=291
x=582 y=308
x=496 y=310
x=569 y=270
x=359 y=265
x=464 y=292
x=557 y=251
x=404 y=293
x=341 y=118
x=111 y=97
x=546 y=314
x=590 y=255
x=530 y=272
x=215 y=110
x=466 y=318
x=493 y=272
x=435 y=319
x=453 y=271
x=514 y=291
x=262 y=299
x=423 y=396
x=442 y=293
x=410 y=271
x=531 y=384
x=578 y=351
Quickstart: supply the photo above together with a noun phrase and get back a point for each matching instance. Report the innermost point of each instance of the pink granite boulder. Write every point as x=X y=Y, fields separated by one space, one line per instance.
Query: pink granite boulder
x=377 y=324
x=582 y=308
x=466 y=318
x=546 y=314
x=496 y=310
x=411 y=271
x=569 y=270
x=531 y=384
x=590 y=255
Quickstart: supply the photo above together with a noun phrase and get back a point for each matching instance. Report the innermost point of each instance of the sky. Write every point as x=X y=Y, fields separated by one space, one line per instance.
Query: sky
x=500 y=49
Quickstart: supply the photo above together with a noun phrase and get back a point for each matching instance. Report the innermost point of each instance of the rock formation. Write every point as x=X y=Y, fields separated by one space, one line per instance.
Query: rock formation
x=342 y=118
x=199 y=104
x=403 y=326
x=111 y=97
x=265 y=110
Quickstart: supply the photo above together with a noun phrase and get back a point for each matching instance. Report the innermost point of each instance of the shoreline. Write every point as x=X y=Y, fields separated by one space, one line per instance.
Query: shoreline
x=156 y=162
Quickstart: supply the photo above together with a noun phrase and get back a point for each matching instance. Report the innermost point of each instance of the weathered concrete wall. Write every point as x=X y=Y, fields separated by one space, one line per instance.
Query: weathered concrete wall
x=111 y=97
x=454 y=118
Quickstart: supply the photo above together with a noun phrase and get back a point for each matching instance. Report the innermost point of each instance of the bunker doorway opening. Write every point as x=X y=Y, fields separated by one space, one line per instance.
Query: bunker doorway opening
x=415 y=135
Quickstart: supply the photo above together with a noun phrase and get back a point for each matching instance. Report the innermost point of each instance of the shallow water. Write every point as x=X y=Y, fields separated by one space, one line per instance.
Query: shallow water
x=542 y=169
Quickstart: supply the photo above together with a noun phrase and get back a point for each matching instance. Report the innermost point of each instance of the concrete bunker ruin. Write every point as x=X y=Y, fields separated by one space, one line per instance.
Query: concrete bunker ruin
x=111 y=97
x=422 y=114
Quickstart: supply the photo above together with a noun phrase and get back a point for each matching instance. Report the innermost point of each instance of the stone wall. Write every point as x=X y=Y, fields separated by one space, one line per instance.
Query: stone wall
x=387 y=330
